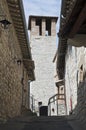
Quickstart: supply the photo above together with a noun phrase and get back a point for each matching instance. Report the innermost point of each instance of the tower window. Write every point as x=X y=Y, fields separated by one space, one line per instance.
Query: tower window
x=39 y=23
x=48 y=27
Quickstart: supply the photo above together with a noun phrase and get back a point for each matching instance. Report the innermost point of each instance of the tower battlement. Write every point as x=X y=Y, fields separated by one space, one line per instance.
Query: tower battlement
x=42 y=25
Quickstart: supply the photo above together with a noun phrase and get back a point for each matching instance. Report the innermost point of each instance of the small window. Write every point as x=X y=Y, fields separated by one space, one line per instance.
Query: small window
x=81 y=73
x=39 y=23
x=48 y=27
x=40 y=103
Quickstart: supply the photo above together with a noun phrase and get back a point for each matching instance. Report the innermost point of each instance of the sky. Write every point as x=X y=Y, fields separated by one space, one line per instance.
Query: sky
x=42 y=8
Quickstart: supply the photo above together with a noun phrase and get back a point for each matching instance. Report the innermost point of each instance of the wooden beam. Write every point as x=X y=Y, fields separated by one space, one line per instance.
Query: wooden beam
x=78 y=23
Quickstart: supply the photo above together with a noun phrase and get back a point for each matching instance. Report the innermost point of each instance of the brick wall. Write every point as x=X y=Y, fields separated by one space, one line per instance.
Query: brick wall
x=11 y=73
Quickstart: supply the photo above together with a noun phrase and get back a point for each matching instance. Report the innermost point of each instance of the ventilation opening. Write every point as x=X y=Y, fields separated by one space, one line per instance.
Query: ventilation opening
x=39 y=23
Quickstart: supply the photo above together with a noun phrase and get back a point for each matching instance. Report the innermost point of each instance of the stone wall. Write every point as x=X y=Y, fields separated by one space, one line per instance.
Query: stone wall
x=53 y=27
x=11 y=73
x=43 y=51
x=70 y=78
x=75 y=88
x=43 y=27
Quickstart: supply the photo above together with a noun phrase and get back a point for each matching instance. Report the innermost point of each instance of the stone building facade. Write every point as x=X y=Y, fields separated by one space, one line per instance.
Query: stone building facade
x=43 y=45
x=75 y=76
x=71 y=59
x=16 y=65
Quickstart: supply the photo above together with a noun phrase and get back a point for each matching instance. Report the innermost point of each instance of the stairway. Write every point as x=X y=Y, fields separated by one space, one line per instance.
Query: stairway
x=43 y=123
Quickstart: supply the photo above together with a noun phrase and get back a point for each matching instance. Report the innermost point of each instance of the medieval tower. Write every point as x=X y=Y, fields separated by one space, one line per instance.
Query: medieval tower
x=43 y=47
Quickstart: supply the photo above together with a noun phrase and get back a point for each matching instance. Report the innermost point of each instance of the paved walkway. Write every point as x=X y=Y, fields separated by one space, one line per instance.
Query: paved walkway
x=42 y=123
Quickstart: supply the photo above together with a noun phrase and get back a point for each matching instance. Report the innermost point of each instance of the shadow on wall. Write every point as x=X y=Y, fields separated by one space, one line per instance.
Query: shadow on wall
x=80 y=109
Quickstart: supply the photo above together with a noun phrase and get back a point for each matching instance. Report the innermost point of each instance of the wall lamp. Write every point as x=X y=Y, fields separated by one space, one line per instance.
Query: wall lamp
x=4 y=22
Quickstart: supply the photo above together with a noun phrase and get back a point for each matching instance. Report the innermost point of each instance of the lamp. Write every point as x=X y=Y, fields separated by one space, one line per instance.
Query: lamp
x=5 y=23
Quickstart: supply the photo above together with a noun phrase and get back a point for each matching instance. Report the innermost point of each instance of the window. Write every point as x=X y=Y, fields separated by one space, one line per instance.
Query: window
x=39 y=23
x=40 y=103
x=48 y=27
x=81 y=73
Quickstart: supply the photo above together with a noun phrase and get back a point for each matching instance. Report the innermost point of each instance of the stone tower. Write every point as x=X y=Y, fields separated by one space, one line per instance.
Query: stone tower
x=43 y=47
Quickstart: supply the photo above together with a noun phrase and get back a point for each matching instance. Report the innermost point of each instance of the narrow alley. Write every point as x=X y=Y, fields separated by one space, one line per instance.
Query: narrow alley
x=43 y=65
x=42 y=123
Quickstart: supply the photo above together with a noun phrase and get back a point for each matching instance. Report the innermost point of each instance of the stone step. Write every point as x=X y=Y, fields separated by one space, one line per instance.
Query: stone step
x=50 y=119
x=27 y=112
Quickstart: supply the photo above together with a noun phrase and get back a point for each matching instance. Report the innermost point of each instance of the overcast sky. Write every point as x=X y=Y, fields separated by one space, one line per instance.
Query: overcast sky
x=43 y=8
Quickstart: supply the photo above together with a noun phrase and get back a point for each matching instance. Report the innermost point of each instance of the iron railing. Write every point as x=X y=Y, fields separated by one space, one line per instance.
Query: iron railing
x=54 y=99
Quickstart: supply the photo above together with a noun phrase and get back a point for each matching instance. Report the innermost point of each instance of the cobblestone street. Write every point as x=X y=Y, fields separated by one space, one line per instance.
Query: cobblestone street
x=42 y=123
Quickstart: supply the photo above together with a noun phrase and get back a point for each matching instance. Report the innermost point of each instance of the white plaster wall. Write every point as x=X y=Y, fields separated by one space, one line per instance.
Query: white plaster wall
x=75 y=57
